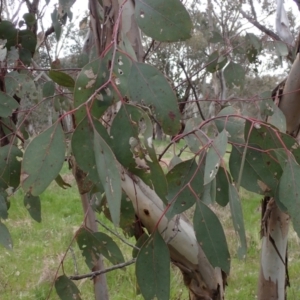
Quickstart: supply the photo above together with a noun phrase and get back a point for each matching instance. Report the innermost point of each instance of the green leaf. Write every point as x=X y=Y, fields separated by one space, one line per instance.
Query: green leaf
x=222 y=183
x=197 y=138
x=83 y=147
x=43 y=159
x=33 y=206
x=139 y=244
x=253 y=46
x=21 y=85
x=211 y=237
x=108 y=171
x=153 y=269
x=234 y=75
x=149 y=86
x=278 y=119
x=59 y=180
x=29 y=19
x=5 y=238
x=125 y=131
x=61 y=78
x=238 y=220
x=164 y=21
x=48 y=89
x=216 y=37
x=3 y=206
x=7 y=105
x=56 y=24
x=28 y=40
x=25 y=56
x=215 y=62
x=66 y=289
x=8 y=32
x=289 y=192
x=10 y=166
x=90 y=79
x=181 y=179
x=93 y=244
x=254 y=41
x=233 y=125
x=214 y=156
x=281 y=48
x=255 y=169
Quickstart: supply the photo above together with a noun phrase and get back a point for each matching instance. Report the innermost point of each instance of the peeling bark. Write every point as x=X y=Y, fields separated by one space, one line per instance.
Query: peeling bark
x=273 y=277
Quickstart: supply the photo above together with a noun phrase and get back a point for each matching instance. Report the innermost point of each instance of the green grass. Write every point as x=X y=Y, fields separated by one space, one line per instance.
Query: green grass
x=28 y=271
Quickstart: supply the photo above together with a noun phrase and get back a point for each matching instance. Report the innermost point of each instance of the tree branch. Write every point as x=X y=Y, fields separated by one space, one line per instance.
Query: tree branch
x=97 y=273
x=267 y=31
x=262 y=28
x=117 y=235
x=193 y=89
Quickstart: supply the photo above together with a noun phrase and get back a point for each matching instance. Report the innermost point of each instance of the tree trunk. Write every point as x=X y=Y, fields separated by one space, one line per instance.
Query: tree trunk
x=204 y=281
x=100 y=285
x=273 y=277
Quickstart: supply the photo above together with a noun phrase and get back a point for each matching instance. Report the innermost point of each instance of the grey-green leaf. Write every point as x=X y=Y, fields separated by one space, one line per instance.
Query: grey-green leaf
x=7 y=105
x=92 y=244
x=238 y=220
x=3 y=206
x=289 y=192
x=108 y=171
x=33 y=206
x=5 y=238
x=61 y=78
x=233 y=124
x=10 y=166
x=211 y=237
x=214 y=156
x=165 y=21
x=66 y=289
x=48 y=89
x=153 y=269
x=43 y=159
x=149 y=86
x=234 y=75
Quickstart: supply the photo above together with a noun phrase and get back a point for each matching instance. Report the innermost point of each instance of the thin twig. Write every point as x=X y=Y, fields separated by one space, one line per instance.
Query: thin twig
x=117 y=235
x=181 y=150
x=74 y=260
x=149 y=49
x=193 y=89
x=97 y=273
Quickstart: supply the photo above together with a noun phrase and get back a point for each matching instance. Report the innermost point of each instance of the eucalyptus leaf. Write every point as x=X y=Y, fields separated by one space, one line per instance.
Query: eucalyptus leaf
x=152 y=268
x=210 y=235
x=7 y=105
x=93 y=244
x=108 y=171
x=61 y=78
x=43 y=159
x=238 y=220
x=289 y=192
x=149 y=86
x=66 y=289
x=171 y=19
x=5 y=238
x=181 y=179
x=234 y=75
x=33 y=206
x=214 y=156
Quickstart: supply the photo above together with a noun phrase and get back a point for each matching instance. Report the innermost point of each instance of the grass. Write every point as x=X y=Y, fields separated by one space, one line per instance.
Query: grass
x=28 y=271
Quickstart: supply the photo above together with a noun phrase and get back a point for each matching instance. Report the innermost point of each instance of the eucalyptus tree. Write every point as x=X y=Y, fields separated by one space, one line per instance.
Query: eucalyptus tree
x=99 y=121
